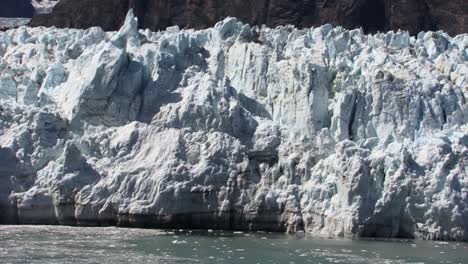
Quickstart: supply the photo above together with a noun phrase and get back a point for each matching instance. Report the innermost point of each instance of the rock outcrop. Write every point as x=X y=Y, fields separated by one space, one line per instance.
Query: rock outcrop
x=372 y=15
x=326 y=130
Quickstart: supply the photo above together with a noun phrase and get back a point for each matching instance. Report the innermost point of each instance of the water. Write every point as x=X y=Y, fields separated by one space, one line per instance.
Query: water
x=58 y=244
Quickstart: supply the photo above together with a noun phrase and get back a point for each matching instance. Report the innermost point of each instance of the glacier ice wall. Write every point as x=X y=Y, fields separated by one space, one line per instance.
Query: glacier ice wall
x=325 y=130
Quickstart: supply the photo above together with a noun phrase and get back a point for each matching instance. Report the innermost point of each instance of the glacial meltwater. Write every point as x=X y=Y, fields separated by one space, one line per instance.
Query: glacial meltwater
x=58 y=244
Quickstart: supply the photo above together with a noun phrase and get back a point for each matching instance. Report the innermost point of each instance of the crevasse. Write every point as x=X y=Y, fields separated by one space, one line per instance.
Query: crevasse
x=325 y=130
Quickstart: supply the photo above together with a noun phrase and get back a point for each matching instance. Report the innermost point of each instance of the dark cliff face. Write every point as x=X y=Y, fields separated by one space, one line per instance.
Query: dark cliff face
x=16 y=8
x=372 y=15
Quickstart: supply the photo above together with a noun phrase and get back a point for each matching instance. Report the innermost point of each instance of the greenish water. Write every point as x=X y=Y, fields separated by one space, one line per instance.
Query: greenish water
x=58 y=244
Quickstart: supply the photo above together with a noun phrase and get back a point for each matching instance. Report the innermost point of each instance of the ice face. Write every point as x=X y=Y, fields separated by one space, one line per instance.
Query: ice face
x=325 y=130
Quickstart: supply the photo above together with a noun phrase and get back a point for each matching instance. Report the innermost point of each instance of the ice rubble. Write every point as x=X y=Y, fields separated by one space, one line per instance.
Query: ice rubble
x=325 y=130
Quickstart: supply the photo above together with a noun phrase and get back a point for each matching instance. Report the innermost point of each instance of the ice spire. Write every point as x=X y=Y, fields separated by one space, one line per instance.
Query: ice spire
x=128 y=33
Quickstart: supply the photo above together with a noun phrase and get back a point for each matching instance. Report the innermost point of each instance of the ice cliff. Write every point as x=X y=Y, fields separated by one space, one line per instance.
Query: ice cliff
x=325 y=130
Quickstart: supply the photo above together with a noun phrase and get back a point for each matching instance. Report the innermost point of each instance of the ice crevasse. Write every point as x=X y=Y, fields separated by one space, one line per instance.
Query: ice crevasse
x=323 y=130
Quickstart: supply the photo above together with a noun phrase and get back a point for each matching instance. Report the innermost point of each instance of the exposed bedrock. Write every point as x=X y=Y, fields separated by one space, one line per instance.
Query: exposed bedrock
x=326 y=130
x=373 y=15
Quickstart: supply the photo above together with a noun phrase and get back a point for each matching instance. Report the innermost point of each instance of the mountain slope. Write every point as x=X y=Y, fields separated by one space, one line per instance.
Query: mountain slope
x=372 y=15
x=16 y=8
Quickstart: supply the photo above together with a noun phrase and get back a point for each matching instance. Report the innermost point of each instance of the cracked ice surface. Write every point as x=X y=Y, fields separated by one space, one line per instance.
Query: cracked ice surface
x=236 y=127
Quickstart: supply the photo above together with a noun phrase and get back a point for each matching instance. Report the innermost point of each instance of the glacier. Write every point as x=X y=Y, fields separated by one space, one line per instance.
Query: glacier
x=321 y=130
x=44 y=6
